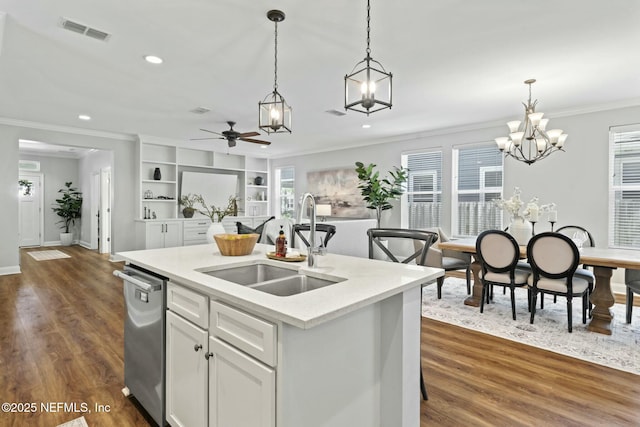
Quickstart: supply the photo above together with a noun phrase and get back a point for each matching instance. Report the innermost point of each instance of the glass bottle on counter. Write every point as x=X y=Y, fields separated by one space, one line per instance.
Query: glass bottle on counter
x=281 y=244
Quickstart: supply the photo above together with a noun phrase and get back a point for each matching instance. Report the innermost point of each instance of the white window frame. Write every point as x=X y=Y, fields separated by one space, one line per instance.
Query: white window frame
x=404 y=200
x=620 y=186
x=278 y=190
x=481 y=191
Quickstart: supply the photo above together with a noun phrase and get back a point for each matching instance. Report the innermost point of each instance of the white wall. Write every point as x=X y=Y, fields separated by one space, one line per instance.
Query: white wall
x=576 y=180
x=9 y=255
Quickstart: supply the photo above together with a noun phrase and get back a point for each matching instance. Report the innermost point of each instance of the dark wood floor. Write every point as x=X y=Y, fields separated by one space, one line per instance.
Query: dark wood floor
x=61 y=340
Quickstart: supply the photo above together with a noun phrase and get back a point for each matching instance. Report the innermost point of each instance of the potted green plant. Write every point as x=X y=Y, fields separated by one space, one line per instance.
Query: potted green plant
x=188 y=201
x=69 y=208
x=378 y=192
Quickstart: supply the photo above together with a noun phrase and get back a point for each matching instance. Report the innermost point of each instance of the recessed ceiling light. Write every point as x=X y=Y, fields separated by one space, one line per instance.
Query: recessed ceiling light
x=84 y=117
x=263 y=146
x=366 y=126
x=152 y=59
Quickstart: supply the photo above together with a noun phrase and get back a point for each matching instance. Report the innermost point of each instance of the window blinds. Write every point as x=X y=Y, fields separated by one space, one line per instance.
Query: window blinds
x=624 y=187
x=424 y=189
x=478 y=181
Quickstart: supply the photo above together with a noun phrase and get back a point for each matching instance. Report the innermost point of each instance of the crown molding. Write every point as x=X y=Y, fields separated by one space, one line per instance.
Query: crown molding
x=67 y=129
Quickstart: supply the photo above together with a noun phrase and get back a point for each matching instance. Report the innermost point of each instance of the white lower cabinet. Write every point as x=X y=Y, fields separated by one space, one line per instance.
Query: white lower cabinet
x=163 y=234
x=212 y=378
x=241 y=389
x=187 y=373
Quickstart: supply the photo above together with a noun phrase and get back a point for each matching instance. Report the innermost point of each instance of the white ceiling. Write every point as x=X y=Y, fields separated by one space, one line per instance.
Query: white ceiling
x=454 y=63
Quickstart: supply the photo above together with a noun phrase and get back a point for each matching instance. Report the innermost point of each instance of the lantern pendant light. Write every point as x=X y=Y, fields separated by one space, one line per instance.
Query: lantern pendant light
x=274 y=115
x=368 y=88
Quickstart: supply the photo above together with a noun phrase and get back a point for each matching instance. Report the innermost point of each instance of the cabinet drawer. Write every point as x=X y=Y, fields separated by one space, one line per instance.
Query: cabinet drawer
x=250 y=334
x=195 y=234
x=188 y=304
x=204 y=224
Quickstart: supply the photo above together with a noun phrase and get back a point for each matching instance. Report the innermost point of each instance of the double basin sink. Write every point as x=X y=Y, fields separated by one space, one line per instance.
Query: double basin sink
x=274 y=280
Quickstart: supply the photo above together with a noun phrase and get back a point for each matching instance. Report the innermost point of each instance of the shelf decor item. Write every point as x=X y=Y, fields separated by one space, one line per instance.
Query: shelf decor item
x=69 y=208
x=257 y=180
x=188 y=201
x=157 y=175
x=217 y=213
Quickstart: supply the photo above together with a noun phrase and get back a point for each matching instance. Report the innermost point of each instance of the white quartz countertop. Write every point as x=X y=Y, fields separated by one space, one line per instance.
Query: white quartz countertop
x=367 y=281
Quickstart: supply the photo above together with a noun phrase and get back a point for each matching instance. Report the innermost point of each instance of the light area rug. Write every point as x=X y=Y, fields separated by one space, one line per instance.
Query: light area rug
x=620 y=350
x=47 y=255
x=78 y=422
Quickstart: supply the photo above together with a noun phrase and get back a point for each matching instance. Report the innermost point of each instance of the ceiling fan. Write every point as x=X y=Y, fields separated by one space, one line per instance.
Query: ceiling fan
x=232 y=136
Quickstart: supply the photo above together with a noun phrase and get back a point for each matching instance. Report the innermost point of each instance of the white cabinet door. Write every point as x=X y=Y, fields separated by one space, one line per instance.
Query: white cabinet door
x=154 y=235
x=172 y=234
x=163 y=234
x=187 y=370
x=242 y=391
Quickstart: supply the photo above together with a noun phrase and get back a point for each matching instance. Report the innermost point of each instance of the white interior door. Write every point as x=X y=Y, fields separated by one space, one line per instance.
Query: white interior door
x=95 y=210
x=105 y=210
x=30 y=209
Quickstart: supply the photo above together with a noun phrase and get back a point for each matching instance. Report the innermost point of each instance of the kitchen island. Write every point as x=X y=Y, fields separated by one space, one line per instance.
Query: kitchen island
x=341 y=355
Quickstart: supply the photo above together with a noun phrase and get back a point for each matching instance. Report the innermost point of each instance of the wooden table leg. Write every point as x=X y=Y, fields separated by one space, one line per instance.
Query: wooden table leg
x=476 y=292
x=602 y=299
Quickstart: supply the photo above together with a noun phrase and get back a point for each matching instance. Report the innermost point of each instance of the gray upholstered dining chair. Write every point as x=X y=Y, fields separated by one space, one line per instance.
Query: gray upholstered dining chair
x=554 y=260
x=632 y=280
x=446 y=259
x=499 y=254
x=379 y=235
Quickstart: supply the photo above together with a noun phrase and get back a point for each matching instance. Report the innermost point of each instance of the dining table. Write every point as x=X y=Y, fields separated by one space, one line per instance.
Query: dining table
x=603 y=261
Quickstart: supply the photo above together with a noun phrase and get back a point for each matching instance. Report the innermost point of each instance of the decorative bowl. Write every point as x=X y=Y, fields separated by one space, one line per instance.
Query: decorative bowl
x=236 y=244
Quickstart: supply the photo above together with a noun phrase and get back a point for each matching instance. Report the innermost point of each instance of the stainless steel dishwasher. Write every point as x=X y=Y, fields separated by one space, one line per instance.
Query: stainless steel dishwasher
x=144 y=339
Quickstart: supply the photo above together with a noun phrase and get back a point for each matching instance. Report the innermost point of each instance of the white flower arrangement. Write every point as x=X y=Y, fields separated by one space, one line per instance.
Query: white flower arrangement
x=533 y=208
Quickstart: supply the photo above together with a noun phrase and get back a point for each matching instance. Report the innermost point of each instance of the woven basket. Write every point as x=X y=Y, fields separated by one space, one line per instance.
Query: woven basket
x=236 y=244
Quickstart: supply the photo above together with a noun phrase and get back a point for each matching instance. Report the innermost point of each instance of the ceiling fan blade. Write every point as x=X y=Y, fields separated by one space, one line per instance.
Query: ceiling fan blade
x=255 y=141
x=210 y=131
x=248 y=134
x=202 y=139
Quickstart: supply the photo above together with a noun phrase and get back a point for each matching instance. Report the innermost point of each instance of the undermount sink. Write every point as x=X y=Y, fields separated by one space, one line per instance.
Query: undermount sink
x=274 y=280
x=251 y=274
x=293 y=285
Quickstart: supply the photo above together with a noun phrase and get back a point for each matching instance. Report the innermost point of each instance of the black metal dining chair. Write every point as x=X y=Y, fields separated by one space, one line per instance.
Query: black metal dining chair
x=376 y=238
x=298 y=229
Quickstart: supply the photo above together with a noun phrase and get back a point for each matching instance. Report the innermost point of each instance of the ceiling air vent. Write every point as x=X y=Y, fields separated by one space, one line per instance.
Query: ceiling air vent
x=76 y=27
x=336 y=113
x=199 y=110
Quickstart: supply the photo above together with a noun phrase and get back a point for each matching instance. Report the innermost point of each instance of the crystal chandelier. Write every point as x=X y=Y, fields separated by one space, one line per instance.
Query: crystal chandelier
x=274 y=115
x=368 y=88
x=529 y=141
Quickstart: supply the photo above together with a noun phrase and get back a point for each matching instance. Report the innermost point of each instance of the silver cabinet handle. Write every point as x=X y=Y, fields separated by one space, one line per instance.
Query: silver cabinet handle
x=197 y=347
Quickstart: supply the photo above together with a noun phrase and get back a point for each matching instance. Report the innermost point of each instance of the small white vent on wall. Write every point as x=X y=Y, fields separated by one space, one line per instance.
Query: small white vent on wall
x=76 y=27
x=336 y=113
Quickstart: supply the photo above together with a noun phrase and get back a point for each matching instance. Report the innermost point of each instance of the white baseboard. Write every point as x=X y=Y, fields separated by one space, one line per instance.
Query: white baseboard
x=14 y=269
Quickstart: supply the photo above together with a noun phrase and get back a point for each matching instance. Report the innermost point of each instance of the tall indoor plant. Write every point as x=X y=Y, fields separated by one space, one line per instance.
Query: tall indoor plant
x=69 y=208
x=378 y=192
